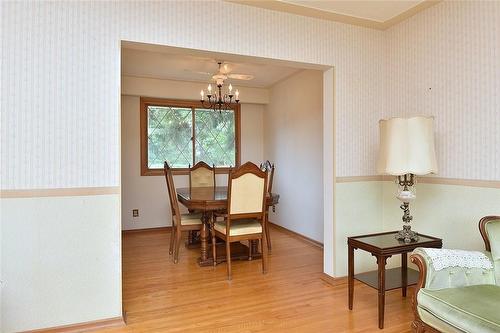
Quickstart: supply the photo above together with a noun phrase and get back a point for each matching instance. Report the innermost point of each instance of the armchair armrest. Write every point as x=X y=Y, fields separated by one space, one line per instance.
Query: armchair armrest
x=437 y=271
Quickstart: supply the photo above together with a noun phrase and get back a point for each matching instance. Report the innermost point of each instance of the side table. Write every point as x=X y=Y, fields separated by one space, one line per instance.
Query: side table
x=383 y=246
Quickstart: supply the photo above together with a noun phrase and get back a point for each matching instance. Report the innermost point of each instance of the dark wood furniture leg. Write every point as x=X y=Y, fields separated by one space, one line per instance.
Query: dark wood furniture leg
x=228 y=258
x=268 y=234
x=350 y=275
x=172 y=238
x=254 y=245
x=204 y=237
x=404 y=273
x=264 y=252
x=381 y=261
x=214 y=241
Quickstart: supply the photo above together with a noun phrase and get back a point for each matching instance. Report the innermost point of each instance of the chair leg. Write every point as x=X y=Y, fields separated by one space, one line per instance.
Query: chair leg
x=249 y=250
x=264 y=253
x=228 y=258
x=214 y=247
x=177 y=245
x=268 y=235
x=172 y=238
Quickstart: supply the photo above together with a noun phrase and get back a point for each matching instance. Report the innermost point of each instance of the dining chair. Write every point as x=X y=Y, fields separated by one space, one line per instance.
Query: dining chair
x=246 y=201
x=269 y=168
x=180 y=222
x=201 y=175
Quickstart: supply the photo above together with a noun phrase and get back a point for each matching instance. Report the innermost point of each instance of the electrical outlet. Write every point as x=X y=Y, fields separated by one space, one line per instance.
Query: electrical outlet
x=135 y=213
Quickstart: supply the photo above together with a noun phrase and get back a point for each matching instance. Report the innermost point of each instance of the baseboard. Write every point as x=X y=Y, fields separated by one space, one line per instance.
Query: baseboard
x=297 y=235
x=333 y=281
x=83 y=327
x=155 y=229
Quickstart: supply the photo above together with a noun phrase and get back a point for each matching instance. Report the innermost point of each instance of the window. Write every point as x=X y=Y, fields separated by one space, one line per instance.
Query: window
x=184 y=133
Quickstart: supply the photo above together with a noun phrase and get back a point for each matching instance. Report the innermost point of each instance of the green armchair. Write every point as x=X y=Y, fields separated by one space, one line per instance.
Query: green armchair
x=459 y=291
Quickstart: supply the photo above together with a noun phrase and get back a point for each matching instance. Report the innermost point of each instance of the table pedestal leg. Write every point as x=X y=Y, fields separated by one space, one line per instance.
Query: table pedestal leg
x=204 y=260
x=255 y=249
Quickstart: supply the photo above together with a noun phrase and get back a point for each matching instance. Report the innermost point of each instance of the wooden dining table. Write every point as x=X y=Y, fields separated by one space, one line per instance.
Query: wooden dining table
x=207 y=200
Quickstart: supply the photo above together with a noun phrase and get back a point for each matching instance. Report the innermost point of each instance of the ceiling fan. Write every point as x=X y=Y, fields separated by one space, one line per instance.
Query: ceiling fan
x=217 y=99
x=224 y=72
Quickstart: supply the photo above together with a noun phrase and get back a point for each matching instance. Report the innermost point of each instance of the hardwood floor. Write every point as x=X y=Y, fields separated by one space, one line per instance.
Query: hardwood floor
x=159 y=296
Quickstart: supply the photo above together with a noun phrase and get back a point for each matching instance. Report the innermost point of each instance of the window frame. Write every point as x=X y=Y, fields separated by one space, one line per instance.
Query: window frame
x=147 y=101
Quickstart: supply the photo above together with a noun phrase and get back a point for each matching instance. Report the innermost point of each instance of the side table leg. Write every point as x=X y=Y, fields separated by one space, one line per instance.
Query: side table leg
x=404 y=273
x=381 y=261
x=350 y=275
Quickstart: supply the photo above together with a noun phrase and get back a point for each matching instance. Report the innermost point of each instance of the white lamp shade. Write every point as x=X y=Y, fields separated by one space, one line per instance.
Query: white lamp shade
x=407 y=146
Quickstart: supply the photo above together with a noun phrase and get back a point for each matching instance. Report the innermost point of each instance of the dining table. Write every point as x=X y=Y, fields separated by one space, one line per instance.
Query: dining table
x=208 y=200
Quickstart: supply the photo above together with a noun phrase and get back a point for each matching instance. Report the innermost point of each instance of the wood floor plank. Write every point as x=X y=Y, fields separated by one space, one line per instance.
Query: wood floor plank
x=160 y=296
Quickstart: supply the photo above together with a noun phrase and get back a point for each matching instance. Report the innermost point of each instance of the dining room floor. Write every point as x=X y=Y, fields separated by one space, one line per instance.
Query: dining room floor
x=160 y=296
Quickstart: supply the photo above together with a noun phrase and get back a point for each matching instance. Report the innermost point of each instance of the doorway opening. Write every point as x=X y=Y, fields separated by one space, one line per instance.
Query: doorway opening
x=286 y=116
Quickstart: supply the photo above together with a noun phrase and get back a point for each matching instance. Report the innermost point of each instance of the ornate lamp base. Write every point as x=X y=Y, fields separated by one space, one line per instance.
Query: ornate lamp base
x=407 y=235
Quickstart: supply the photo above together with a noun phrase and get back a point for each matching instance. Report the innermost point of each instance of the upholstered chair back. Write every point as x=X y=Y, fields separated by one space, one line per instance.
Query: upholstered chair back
x=172 y=193
x=247 y=191
x=202 y=175
x=492 y=231
x=453 y=277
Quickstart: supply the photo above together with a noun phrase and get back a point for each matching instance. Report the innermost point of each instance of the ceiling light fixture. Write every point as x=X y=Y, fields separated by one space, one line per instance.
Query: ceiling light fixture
x=217 y=100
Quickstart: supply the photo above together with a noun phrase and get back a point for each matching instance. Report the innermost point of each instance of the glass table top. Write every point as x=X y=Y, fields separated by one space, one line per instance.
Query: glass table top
x=387 y=240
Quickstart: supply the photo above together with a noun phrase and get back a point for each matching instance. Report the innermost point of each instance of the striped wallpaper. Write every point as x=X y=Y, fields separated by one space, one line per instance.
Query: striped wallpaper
x=60 y=118
x=445 y=62
x=61 y=87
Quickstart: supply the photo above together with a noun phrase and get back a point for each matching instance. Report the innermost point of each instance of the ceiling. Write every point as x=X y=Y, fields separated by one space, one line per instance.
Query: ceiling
x=374 y=10
x=155 y=63
x=375 y=14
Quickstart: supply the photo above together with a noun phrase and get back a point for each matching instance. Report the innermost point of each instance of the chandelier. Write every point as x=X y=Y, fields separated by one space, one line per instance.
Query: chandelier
x=216 y=99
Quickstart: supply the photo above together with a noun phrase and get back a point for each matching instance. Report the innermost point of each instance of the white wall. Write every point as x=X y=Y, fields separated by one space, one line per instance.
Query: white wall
x=450 y=212
x=359 y=211
x=294 y=142
x=148 y=193
x=57 y=269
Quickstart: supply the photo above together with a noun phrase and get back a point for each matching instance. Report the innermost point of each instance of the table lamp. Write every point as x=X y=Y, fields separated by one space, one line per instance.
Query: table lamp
x=406 y=151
